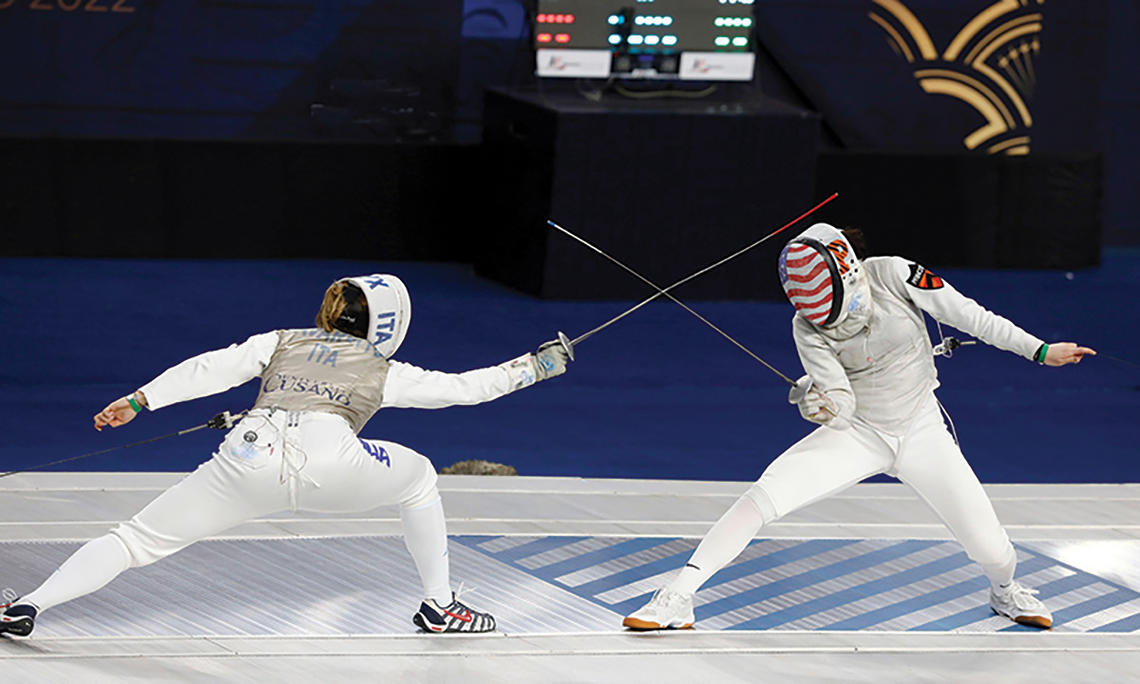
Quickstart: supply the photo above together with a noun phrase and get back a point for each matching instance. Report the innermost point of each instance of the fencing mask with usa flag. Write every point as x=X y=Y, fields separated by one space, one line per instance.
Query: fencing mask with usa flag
x=822 y=276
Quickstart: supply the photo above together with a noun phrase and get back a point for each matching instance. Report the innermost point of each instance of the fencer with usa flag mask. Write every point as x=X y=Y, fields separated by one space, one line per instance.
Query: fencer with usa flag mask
x=298 y=449
x=870 y=382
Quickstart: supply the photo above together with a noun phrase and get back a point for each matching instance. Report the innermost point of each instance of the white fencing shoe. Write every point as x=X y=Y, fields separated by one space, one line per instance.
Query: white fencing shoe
x=1020 y=605
x=666 y=610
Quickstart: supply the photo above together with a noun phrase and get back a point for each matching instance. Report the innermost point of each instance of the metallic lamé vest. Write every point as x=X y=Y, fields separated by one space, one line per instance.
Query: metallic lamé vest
x=312 y=370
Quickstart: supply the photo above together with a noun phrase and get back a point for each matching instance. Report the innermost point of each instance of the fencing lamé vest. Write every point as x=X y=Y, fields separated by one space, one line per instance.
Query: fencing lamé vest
x=313 y=370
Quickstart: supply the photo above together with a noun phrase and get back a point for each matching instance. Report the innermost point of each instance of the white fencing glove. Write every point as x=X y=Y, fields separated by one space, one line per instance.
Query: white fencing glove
x=815 y=405
x=549 y=361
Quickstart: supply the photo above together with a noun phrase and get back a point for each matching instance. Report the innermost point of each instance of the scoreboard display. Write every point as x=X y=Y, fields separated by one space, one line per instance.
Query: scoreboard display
x=669 y=39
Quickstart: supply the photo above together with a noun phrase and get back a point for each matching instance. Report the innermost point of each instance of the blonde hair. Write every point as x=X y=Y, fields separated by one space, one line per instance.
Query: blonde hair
x=331 y=307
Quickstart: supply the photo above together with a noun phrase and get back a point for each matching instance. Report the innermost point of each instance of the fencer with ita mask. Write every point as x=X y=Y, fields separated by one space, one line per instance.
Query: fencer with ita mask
x=300 y=448
x=378 y=309
x=823 y=278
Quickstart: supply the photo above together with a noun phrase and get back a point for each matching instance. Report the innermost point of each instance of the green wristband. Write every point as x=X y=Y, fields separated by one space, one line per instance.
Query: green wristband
x=134 y=404
x=1041 y=352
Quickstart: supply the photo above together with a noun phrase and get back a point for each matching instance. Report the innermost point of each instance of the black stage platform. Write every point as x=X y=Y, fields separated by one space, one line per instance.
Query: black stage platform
x=666 y=185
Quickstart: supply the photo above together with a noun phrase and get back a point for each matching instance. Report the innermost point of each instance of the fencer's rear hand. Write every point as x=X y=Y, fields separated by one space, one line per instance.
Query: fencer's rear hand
x=1062 y=353
x=550 y=360
x=118 y=412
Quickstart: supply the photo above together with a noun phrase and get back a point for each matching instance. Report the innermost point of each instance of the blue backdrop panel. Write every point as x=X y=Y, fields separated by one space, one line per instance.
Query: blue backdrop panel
x=228 y=69
x=657 y=395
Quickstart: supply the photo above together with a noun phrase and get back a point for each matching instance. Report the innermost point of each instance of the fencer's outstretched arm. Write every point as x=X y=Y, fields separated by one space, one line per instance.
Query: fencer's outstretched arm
x=938 y=298
x=406 y=385
x=199 y=376
x=410 y=386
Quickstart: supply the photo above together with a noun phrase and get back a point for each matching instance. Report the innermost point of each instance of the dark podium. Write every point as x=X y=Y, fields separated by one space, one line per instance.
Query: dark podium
x=667 y=186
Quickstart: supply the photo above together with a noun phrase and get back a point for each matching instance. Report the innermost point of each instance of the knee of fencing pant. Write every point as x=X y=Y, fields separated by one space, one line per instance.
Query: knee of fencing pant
x=763 y=502
x=422 y=490
x=144 y=545
x=427 y=500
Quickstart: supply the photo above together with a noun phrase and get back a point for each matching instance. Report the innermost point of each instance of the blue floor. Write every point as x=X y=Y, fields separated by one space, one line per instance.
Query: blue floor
x=877 y=584
x=655 y=396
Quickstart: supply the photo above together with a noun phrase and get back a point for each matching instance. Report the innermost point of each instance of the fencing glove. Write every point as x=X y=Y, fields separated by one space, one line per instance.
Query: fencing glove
x=550 y=360
x=816 y=405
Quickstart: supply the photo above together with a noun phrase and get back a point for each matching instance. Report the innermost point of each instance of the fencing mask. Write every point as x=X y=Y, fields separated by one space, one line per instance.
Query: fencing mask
x=822 y=276
x=378 y=308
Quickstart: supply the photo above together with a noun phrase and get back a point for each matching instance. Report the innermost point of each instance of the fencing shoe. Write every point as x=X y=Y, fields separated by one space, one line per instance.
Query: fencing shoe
x=16 y=618
x=666 y=610
x=1018 y=604
x=455 y=617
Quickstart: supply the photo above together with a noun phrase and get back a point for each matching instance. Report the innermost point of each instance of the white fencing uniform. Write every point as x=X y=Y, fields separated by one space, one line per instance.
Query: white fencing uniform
x=298 y=449
x=876 y=366
x=318 y=464
x=882 y=377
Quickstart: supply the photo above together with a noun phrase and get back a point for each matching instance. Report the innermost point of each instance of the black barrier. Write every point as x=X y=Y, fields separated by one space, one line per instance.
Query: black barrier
x=662 y=192
x=1039 y=211
x=122 y=198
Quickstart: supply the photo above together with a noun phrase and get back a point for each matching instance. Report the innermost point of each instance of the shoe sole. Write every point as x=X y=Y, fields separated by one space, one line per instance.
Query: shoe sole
x=1039 y=621
x=646 y=626
x=419 y=621
x=17 y=628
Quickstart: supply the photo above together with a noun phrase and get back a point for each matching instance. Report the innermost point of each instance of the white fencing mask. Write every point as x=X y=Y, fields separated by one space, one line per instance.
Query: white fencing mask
x=388 y=311
x=822 y=276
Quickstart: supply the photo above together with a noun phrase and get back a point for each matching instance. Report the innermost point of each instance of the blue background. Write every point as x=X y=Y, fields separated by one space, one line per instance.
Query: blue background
x=657 y=395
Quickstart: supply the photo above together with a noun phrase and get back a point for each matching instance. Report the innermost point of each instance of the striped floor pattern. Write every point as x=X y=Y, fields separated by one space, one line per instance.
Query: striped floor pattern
x=818 y=584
